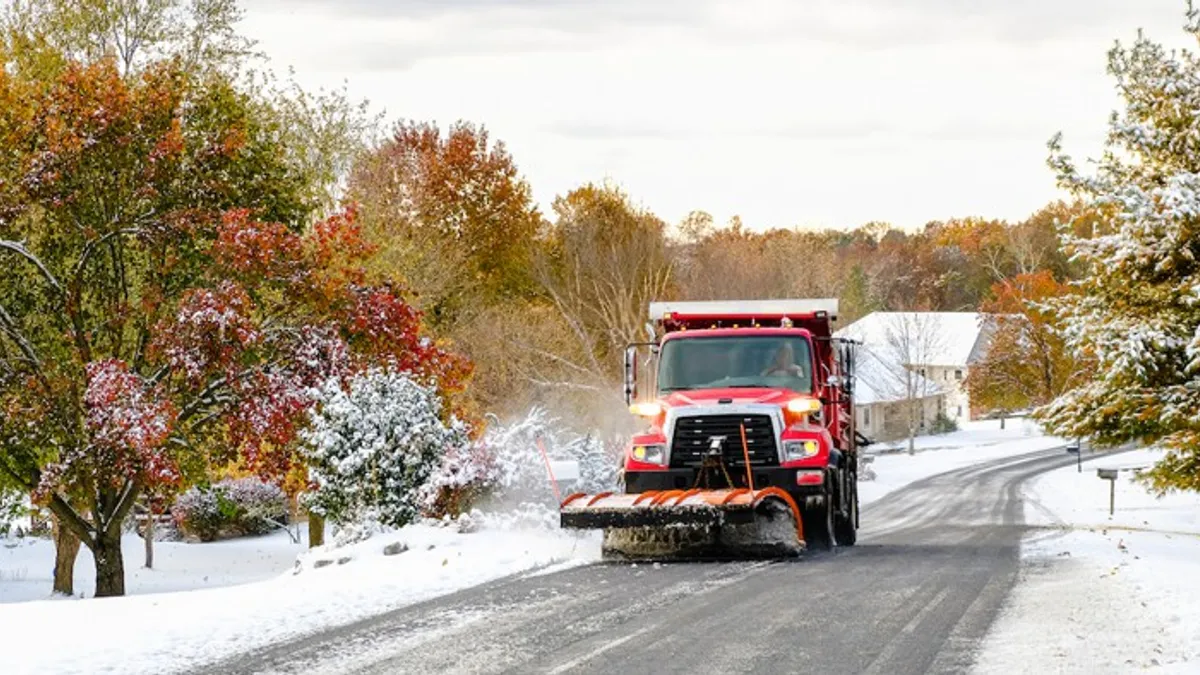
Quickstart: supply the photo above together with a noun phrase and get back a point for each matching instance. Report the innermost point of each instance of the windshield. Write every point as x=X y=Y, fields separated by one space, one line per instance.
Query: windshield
x=742 y=361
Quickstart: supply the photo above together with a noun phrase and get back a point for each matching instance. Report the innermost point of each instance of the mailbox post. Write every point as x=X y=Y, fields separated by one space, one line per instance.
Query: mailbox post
x=1073 y=448
x=1109 y=475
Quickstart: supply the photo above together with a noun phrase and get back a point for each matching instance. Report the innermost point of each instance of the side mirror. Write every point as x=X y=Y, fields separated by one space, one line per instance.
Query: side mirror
x=630 y=374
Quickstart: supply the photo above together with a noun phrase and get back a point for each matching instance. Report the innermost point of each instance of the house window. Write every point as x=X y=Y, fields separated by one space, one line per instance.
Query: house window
x=866 y=417
x=958 y=374
x=960 y=411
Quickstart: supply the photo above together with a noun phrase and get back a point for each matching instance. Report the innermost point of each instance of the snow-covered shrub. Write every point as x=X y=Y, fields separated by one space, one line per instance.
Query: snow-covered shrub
x=599 y=462
x=513 y=469
x=465 y=474
x=374 y=445
x=230 y=508
x=943 y=424
x=520 y=468
x=261 y=506
x=865 y=469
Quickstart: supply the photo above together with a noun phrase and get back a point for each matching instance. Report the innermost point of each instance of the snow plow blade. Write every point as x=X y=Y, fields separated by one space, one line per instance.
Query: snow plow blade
x=691 y=524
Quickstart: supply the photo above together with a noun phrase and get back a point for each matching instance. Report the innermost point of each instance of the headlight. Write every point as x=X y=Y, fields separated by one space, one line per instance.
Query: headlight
x=803 y=405
x=646 y=409
x=800 y=449
x=650 y=454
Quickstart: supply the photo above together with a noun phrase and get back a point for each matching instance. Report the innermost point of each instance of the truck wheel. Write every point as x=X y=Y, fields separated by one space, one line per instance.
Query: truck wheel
x=846 y=528
x=818 y=526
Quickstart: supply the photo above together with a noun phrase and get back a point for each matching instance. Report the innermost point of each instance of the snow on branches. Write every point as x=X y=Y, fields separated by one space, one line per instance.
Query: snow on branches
x=280 y=313
x=373 y=443
x=209 y=331
x=124 y=411
x=129 y=421
x=1138 y=312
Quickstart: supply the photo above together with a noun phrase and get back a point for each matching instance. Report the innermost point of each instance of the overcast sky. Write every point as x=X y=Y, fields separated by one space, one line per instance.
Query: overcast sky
x=787 y=112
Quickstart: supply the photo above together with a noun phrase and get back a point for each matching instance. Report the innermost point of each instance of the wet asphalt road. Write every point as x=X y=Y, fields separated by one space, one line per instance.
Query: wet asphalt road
x=931 y=569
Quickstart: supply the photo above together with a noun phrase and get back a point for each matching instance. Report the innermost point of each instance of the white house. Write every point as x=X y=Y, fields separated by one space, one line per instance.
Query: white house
x=914 y=356
x=881 y=403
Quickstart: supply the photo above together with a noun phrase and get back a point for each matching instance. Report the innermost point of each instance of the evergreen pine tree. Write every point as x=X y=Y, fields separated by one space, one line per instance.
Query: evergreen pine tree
x=1139 y=313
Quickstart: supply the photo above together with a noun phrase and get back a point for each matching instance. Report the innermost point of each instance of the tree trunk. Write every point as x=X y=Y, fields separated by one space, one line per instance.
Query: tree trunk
x=66 y=549
x=1001 y=421
x=148 y=534
x=316 y=530
x=110 y=565
x=912 y=431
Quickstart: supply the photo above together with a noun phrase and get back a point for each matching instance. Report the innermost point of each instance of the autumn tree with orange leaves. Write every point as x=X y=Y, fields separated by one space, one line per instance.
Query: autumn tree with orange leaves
x=1028 y=362
x=451 y=216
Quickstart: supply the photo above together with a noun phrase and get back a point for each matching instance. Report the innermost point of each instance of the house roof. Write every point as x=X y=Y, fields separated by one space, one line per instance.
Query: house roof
x=893 y=340
x=922 y=338
x=877 y=380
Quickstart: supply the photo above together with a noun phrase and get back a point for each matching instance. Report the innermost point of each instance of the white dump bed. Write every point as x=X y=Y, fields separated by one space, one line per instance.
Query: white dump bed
x=746 y=308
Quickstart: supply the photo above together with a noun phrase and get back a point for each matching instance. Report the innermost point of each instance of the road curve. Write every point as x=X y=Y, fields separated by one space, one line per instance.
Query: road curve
x=932 y=568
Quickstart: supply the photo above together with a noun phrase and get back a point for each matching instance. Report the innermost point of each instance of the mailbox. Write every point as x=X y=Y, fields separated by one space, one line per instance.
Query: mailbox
x=1110 y=475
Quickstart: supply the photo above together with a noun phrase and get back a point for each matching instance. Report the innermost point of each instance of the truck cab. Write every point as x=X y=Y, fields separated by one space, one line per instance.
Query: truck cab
x=762 y=383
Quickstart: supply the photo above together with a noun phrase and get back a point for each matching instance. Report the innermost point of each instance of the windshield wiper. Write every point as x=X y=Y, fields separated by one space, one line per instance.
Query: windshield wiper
x=675 y=388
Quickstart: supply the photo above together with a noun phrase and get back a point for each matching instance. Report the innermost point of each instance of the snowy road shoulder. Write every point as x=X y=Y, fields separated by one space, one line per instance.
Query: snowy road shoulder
x=1101 y=594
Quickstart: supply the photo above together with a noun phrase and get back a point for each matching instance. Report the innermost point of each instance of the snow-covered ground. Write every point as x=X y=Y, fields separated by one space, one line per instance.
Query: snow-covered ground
x=1101 y=594
x=168 y=631
x=27 y=565
x=174 y=617
x=975 y=442
x=970 y=433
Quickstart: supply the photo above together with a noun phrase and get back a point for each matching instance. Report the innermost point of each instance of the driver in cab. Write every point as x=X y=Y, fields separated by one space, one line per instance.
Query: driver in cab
x=784 y=363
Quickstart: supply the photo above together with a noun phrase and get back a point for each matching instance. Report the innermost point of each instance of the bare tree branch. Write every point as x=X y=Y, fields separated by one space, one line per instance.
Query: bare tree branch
x=19 y=248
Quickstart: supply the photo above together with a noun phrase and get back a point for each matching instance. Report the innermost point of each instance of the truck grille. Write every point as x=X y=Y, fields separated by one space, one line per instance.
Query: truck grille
x=693 y=437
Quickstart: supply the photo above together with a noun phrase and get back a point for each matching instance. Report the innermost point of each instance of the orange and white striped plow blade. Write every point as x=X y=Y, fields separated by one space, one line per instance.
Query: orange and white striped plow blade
x=705 y=520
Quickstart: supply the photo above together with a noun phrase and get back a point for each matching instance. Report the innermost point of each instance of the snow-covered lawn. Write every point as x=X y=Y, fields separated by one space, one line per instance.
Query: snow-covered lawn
x=27 y=565
x=169 y=631
x=976 y=442
x=1101 y=594
x=970 y=433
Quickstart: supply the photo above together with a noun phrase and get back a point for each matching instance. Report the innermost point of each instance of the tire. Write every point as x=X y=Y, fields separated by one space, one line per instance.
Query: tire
x=846 y=529
x=818 y=526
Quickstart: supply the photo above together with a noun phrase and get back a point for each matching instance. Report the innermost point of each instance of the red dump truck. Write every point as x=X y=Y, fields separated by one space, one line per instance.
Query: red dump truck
x=749 y=446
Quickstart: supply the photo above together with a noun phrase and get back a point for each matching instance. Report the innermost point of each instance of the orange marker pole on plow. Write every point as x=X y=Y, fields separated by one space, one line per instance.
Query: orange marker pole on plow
x=746 y=455
x=549 y=471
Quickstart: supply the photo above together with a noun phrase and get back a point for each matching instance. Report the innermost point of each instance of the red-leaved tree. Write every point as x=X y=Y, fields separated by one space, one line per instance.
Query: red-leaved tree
x=164 y=305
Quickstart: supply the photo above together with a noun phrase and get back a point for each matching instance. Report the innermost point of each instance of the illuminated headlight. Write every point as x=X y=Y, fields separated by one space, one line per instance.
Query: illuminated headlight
x=800 y=449
x=646 y=409
x=803 y=405
x=651 y=454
